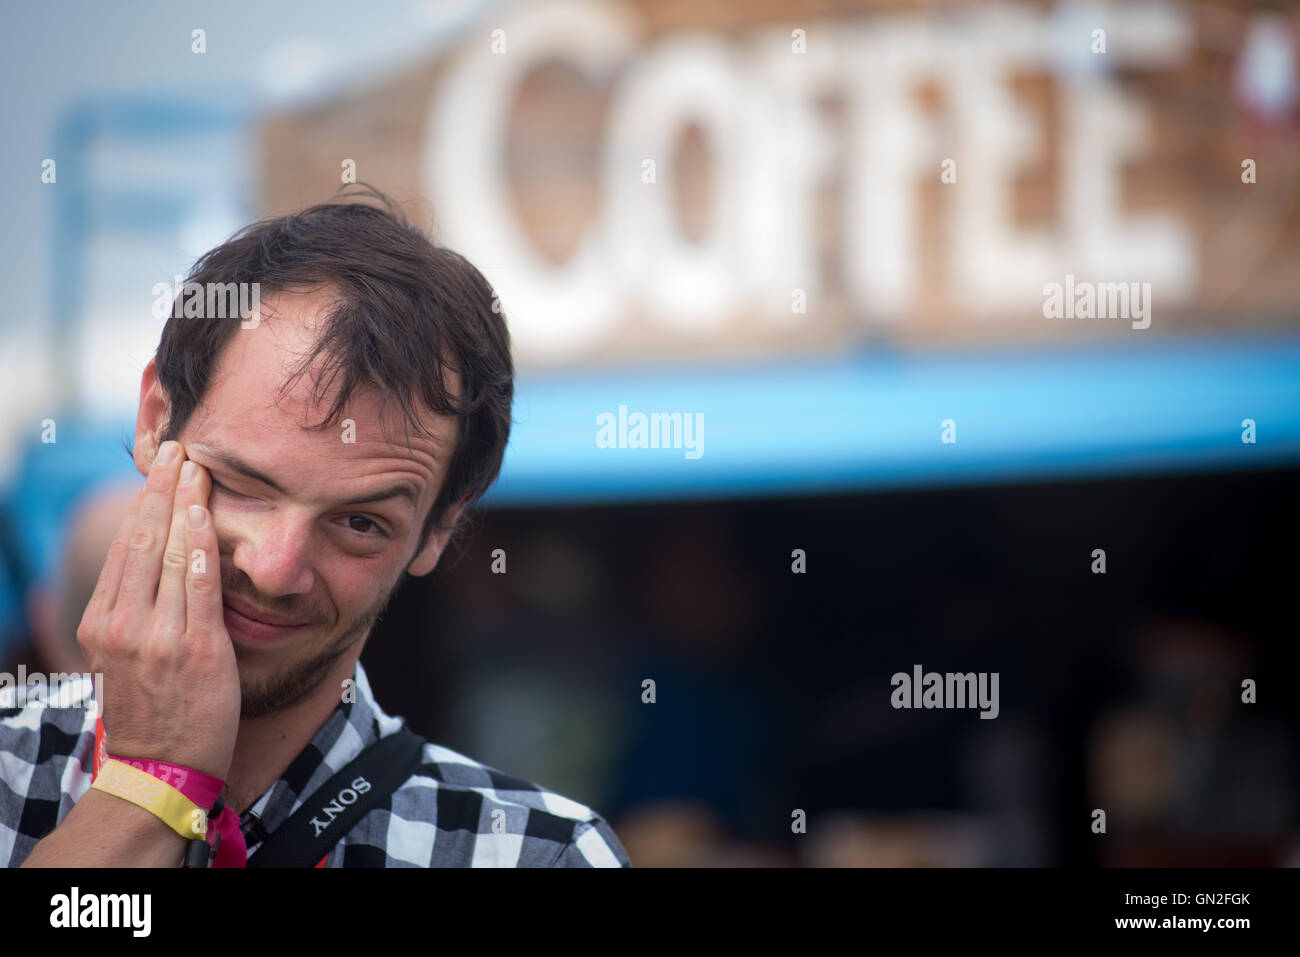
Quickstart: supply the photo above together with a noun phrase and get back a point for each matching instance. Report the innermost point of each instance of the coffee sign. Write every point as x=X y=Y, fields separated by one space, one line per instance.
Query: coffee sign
x=801 y=184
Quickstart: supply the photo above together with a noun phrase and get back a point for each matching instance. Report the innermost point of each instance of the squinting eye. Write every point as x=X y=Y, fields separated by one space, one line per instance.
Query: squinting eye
x=218 y=487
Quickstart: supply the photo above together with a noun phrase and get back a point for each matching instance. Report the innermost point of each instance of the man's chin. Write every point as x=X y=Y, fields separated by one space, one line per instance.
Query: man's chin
x=262 y=699
x=266 y=689
x=264 y=695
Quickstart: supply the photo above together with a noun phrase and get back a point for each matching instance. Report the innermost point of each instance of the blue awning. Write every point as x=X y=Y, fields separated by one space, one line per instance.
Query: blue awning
x=874 y=420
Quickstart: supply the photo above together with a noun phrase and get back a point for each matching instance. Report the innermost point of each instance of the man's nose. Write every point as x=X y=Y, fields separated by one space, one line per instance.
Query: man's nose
x=274 y=550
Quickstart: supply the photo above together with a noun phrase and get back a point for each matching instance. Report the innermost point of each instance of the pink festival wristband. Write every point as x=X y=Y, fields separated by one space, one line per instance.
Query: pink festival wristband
x=202 y=789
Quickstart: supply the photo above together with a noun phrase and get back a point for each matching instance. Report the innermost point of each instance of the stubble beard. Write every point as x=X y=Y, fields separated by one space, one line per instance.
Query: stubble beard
x=264 y=696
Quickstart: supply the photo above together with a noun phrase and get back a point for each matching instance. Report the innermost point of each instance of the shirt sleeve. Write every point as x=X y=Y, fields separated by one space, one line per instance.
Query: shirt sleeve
x=594 y=844
x=47 y=743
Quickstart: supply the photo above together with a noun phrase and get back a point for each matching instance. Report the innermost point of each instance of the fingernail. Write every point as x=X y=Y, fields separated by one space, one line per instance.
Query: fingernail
x=196 y=516
x=166 y=453
x=188 y=471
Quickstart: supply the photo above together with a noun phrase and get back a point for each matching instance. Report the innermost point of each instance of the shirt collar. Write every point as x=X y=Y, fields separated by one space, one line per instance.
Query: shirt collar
x=355 y=724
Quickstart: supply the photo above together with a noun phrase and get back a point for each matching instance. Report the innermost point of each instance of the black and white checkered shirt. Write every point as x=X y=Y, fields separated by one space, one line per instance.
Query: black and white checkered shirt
x=442 y=816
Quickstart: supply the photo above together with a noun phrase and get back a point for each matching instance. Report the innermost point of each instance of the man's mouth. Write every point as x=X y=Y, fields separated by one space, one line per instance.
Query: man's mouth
x=252 y=623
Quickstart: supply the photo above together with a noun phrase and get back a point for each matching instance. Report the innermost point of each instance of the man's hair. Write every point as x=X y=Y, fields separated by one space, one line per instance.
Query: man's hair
x=406 y=311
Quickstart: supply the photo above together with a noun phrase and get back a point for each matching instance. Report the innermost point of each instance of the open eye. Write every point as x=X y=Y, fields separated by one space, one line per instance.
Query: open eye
x=371 y=527
x=363 y=529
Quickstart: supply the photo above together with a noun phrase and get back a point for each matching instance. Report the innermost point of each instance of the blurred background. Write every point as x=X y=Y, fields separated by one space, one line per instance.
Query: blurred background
x=826 y=233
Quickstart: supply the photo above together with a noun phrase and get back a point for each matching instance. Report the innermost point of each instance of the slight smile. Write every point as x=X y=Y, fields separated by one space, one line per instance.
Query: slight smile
x=257 y=626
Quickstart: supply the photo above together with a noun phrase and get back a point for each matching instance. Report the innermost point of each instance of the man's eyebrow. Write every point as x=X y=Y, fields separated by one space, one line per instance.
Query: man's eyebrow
x=400 y=490
x=230 y=460
x=233 y=462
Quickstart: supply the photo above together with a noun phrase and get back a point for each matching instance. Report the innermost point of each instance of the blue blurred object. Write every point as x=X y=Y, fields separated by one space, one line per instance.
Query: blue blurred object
x=865 y=422
x=90 y=203
x=38 y=504
x=11 y=605
x=873 y=420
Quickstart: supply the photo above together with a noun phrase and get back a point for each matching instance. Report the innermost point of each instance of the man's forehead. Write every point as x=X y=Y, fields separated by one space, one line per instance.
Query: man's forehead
x=260 y=409
x=260 y=412
x=261 y=378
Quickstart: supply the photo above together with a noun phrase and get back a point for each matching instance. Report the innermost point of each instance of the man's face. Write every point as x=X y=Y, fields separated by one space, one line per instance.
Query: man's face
x=320 y=536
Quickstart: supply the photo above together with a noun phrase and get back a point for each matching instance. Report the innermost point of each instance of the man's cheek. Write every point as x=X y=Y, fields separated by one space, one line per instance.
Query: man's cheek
x=223 y=526
x=234 y=527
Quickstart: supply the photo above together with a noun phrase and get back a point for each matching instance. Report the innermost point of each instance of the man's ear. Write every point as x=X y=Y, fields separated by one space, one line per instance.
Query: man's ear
x=150 y=419
x=427 y=558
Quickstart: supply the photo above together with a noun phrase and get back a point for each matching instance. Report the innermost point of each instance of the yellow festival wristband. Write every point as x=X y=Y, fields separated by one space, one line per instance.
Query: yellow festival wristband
x=144 y=790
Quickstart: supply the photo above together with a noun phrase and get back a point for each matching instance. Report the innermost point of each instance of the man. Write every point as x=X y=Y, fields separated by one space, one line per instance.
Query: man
x=301 y=459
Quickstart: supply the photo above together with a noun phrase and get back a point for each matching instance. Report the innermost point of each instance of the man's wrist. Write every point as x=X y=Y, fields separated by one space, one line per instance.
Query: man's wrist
x=104 y=831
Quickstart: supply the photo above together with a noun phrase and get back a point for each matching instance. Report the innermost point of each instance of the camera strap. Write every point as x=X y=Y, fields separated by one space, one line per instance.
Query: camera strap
x=305 y=839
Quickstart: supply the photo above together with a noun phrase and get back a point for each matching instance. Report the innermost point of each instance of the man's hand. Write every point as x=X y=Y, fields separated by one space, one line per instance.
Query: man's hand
x=155 y=627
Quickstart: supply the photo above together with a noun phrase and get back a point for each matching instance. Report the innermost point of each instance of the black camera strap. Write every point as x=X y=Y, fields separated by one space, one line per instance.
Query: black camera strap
x=333 y=808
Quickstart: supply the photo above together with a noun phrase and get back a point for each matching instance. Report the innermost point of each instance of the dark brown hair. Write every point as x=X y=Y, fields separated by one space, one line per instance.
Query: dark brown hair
x=406 y=311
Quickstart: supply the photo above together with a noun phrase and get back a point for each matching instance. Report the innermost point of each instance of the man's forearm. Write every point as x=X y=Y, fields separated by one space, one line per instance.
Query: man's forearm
x=106 y=831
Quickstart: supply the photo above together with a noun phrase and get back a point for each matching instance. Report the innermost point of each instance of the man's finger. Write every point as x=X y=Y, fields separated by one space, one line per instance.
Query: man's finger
x=110 y=576
x=149 y=537
x=205 y=615
x=170 y=604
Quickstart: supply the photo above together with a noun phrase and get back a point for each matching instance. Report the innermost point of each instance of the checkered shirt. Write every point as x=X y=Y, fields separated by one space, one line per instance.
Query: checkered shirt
x=442 y=816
